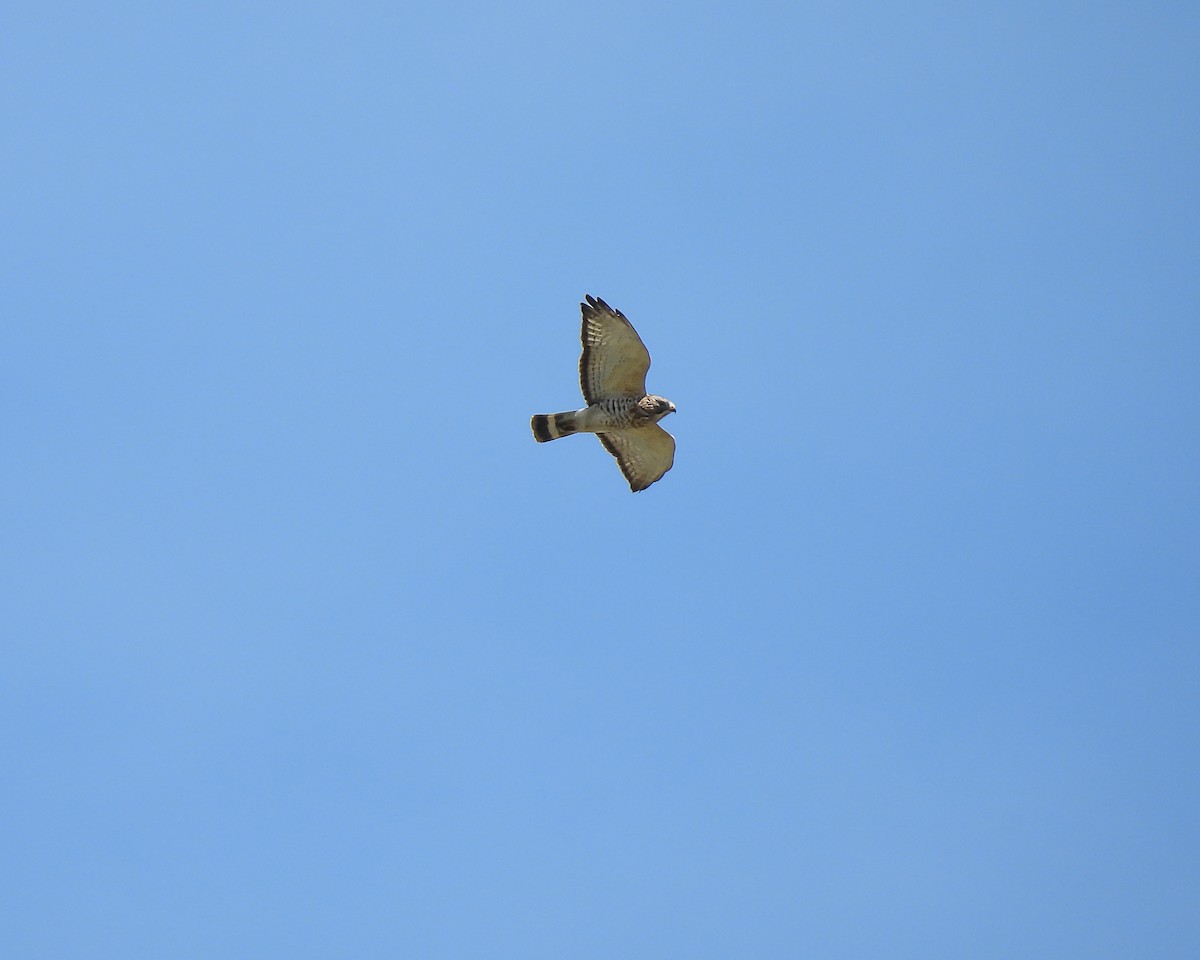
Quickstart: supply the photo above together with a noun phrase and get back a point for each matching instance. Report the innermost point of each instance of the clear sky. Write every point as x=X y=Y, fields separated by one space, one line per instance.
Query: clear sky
x=310 y=651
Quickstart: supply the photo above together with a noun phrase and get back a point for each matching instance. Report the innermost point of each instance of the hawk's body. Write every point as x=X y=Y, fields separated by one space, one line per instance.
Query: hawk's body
x=612 y=375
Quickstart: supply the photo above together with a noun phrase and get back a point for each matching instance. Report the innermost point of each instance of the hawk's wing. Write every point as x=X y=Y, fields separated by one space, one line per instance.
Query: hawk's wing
x=614 y=360
x=643 y=453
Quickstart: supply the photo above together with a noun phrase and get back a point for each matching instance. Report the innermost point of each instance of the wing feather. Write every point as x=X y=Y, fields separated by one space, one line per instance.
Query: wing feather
x=644 y=454
x=614 y=360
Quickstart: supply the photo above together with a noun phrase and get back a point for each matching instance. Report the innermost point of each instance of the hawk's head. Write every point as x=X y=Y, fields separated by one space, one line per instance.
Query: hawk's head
x=655 y=408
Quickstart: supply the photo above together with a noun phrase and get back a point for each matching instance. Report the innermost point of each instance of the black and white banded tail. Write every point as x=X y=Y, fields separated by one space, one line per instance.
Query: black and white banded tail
x=551 y=426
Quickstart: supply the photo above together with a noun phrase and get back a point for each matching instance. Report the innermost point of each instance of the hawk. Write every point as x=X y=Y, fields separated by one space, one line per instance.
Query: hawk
x=612 y=375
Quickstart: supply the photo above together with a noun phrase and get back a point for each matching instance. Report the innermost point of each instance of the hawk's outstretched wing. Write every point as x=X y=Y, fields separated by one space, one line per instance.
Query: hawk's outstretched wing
x=643 y=453
x=614 y=360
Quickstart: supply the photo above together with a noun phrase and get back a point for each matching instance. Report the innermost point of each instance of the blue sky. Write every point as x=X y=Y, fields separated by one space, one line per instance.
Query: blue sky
x=311 y=651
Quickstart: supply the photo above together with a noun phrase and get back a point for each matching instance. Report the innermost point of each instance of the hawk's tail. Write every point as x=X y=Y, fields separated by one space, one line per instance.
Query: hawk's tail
x=551 y=426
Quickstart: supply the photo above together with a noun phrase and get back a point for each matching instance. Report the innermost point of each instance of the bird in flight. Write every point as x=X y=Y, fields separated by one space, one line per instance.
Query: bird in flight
x=612 y=375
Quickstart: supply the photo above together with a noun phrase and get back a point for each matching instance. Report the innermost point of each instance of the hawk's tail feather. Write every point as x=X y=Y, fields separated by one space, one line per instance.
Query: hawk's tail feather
x=551 y=426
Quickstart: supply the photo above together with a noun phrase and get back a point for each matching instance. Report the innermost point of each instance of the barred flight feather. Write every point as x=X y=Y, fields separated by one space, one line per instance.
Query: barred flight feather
x=552 y=426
